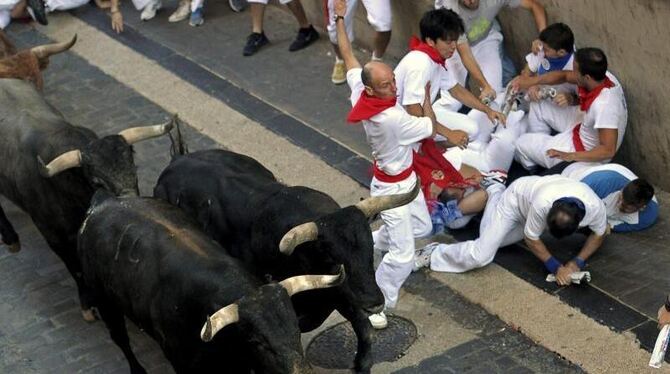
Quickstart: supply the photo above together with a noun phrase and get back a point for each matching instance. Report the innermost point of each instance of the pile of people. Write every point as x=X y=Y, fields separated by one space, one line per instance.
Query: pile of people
x=562 y=120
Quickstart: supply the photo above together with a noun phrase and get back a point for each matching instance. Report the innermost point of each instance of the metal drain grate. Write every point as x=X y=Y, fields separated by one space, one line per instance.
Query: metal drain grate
x=335 y=348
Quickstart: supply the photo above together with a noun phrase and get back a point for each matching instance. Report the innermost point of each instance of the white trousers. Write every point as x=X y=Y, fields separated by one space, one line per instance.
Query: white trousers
x=52 y=5
x=6 y=7
x=496 y=230
x=455 y=121
x=401 y=226
x=379 y=17
x=487 y=55
x=140 y=4
x=531 y=149
x=545 y=116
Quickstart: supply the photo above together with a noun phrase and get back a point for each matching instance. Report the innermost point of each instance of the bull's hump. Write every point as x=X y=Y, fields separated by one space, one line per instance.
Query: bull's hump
x=186 y=237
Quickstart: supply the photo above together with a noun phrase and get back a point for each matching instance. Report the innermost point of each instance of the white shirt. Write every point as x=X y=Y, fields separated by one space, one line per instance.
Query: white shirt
x=529 y=200
x=414 y=72
x=608 y=111
x=392 y=132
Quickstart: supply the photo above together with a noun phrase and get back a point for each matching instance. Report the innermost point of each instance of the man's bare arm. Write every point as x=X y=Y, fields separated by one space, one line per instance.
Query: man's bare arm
x=473 y=68
x=343 y=43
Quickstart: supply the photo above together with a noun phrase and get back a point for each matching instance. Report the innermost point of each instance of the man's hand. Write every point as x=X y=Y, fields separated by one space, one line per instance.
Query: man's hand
x=489 y=92
x=565 y=156
x=564 y=99
x=663 y=317
x=117 y=21
x=563 y=276
x=496 y=117
x=458 y=138
x=521 y=83
x=534 y=93
x=340 y=7
x=536 y=46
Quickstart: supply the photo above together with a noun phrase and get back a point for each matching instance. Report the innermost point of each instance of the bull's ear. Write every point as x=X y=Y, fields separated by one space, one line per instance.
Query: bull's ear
x=67 y=160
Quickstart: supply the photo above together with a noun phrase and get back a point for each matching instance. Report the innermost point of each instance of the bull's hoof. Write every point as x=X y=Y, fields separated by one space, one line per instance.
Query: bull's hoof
x=13 y=248
x=89 y=315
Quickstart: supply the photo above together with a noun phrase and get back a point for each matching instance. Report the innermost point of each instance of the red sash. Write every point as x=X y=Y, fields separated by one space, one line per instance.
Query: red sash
x=415 y=44
x=383 y=177
x=576 y=139
x=369 y=106
x=586 y=98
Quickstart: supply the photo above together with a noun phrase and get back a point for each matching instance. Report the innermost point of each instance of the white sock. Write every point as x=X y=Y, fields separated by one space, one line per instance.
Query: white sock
x=375 y=58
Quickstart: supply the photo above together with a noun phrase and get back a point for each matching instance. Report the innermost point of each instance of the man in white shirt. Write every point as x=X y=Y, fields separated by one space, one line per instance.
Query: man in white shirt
x=602 y=104
x=425 y=63
x=525 y=210
x=479 y=51
x=391 y=133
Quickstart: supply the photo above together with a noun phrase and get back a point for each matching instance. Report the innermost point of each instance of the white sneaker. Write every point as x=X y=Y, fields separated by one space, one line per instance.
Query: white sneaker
x=150 y=10
x=422 y=256
x=182 y=12
x=493 y=177
x=378 y=321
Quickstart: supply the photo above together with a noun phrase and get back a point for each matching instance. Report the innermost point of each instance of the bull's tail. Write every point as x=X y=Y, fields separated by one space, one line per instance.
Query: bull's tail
x=178 y=147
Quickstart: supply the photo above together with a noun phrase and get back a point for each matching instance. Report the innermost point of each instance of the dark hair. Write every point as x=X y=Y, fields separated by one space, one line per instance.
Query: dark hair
x=571 y=207
x=638 y=192
x=592 y=61
x=442 y=24
x=366 y=76
x=558 y=36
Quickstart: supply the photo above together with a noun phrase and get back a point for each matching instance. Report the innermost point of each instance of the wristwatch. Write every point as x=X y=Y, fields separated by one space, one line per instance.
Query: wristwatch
x=337 y=17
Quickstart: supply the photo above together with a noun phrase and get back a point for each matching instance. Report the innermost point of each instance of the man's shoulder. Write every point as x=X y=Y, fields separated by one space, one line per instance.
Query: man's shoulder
x=414 y=60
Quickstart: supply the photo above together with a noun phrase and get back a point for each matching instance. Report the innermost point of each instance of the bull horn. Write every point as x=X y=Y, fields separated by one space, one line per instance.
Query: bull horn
x=222 y=318
x=44 y=51
x=67 y=160
x=298 y=235
x=374 y=205
x=302 y=283
x=137 y=134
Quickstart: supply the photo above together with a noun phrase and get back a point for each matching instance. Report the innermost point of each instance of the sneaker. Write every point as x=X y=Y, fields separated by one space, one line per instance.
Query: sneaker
x=378 y=320
x=339 y=73
x=237 y=5
x=196 y=17
x=304 y=38
x=182 y=12
x=422 y=256
x=37 y=11
x=150 y=10
x=493 y=177
x=254 y=42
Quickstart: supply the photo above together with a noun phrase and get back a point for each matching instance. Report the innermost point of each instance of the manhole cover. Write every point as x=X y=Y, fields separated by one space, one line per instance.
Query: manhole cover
x=335 y=348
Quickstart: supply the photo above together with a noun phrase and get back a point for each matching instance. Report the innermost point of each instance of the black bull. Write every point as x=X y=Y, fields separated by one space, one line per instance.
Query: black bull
x=149 y=261
x=56 y=195
x=238 y=201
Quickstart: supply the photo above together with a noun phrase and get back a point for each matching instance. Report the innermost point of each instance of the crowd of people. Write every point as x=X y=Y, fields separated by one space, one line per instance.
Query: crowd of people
x=562 y=119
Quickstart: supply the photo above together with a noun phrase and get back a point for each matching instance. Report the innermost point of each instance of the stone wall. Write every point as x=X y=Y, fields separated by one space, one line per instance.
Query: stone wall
x=635 y=36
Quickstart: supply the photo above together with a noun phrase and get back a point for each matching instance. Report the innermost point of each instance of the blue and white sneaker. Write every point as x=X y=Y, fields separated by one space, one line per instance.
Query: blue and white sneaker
x=422 y=256
x=196 y=17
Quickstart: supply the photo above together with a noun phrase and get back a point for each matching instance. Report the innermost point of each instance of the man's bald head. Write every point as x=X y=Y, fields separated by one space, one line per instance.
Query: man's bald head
x=379 y=80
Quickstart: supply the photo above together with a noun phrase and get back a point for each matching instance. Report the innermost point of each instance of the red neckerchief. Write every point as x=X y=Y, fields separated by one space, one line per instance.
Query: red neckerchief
x=415 y=44
x=586 y=98
x=368 y=106
x=432 y=168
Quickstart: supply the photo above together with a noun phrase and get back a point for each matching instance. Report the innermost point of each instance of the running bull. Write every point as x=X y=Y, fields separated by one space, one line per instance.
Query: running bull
x=285 y=231
x=56 y=194
x=149 y=261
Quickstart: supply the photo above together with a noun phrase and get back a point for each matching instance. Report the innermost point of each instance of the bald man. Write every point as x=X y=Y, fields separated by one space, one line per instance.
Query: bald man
x=391 y=132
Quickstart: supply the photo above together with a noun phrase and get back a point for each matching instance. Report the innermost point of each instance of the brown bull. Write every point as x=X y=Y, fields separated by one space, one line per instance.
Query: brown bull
x=28 y=64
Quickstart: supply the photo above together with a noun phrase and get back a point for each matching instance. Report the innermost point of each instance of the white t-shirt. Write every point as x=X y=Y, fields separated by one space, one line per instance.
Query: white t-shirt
x=412 y=74
x=392 y=132
x=608 y=111
x=529 y=200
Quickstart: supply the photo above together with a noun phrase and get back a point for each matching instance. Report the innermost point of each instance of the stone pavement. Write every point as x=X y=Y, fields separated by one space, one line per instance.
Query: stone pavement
x=629 y=273
x=41 y=330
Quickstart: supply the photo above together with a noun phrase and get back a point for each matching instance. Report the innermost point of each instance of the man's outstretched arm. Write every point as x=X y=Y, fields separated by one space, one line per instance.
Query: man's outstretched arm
x=350 y=61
